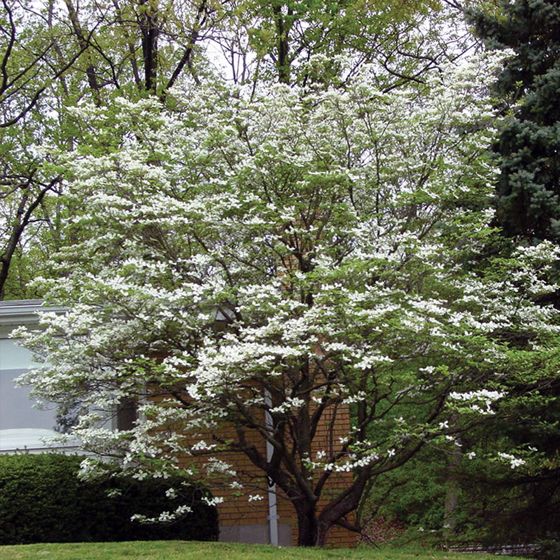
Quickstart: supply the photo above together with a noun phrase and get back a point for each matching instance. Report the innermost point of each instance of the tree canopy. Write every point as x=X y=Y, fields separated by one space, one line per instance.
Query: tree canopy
x=56 y=55
x=265 y=216
x=267 y=261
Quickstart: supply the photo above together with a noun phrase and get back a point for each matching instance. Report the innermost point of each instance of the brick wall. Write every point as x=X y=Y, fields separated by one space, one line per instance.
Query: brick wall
x=247 y=521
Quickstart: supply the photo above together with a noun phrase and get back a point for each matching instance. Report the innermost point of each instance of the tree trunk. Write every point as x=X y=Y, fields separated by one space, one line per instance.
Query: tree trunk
x=282 y=46
x=307 y=525
x=149 y=29
x=451 y=492
x=21 y=220
x=322 y=531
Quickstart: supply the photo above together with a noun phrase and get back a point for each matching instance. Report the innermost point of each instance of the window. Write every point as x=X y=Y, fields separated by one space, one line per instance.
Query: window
x=22 y=424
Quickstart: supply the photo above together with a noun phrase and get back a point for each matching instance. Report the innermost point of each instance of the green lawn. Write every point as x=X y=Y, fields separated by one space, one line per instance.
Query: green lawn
x=177 y=550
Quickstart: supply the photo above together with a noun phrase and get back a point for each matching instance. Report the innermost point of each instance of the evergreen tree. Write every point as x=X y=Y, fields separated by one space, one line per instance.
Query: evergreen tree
x=528 y=193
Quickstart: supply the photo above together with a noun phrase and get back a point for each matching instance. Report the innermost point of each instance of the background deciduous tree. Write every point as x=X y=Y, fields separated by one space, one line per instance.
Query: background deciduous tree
x=53 y=56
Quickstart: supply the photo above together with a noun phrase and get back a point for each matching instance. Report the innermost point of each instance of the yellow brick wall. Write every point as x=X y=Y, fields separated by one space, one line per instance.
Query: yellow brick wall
x=238 y=511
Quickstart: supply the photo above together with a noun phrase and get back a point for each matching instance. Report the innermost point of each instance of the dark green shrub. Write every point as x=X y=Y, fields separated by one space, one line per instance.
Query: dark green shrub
x=549 y=548
x=42 y=500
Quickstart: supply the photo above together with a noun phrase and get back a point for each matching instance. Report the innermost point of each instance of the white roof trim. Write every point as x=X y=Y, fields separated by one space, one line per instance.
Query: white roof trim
x=20 y=311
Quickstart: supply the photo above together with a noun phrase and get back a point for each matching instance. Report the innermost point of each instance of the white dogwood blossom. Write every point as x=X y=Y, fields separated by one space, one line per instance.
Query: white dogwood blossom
x=513 y=461
x=272 y=268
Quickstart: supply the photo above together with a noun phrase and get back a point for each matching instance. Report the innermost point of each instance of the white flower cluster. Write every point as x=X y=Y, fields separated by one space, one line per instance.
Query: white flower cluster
x=255 y=498
x=512 y=460
x=478 y=401
x=212 y=501
x=164 y=516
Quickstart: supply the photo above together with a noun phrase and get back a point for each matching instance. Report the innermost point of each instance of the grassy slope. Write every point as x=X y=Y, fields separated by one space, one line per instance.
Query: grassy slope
x=177 y=550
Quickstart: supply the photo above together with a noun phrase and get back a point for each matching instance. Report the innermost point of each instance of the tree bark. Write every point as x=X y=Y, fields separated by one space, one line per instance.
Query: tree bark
x=282 y=45
x=150 y=34
x=322 y=532
x=307 y=524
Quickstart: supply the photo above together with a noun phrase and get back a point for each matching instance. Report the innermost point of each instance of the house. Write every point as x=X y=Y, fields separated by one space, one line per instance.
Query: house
x=23 y=427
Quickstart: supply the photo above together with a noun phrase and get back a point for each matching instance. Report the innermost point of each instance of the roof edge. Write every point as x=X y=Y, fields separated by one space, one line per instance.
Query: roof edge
x=19 y=311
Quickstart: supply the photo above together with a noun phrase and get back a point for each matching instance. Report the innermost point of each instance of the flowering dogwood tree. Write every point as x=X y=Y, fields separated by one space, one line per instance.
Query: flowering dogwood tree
x=269 y=264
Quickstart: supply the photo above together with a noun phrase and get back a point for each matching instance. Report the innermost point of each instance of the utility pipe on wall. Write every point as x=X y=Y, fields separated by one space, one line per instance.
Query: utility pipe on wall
x=272 y=496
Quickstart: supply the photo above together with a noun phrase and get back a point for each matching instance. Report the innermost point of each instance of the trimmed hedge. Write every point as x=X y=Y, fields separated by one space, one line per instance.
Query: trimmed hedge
x=549 y=548
x=42 y=500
